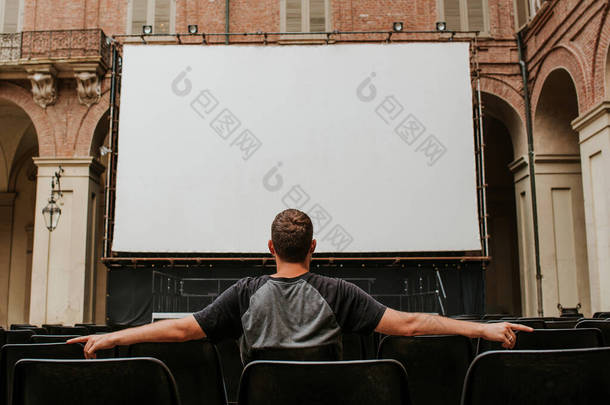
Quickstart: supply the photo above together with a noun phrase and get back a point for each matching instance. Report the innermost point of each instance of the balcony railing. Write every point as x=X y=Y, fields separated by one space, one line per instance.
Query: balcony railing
x=55 y=45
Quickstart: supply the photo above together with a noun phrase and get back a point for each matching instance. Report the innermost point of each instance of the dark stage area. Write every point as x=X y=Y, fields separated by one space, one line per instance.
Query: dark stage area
x=445 y=288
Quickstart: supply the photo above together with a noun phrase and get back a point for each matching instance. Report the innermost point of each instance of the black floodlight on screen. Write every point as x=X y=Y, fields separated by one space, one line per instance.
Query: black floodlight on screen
x=193 y=28
x=397 y=26
x=147 y=29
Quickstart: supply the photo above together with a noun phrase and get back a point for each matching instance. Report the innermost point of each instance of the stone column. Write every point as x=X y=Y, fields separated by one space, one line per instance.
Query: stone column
x=7 y=201
x=63 y=261
x=594 y=134
x=525 y=231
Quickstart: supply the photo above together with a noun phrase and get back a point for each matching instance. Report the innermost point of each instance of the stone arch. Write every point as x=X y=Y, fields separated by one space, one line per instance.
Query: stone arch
x=23 y=99
x=86 y=134
x=501 y=109
x=504 y=137
x=566 y=59
x=601 y=64
x=556 y=107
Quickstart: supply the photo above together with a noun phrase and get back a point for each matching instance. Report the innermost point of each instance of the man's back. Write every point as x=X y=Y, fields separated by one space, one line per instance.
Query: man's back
x=289 y=313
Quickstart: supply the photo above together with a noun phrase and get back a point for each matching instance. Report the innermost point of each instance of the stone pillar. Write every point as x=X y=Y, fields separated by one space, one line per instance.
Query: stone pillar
x=561 y=222
x=594 y=134
x=525 y=232
x=561 y=232
x=7 y=201
x=63 y=261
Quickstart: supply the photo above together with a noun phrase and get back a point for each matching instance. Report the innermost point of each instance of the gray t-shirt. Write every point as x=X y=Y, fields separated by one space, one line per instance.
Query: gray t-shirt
x=278 y=313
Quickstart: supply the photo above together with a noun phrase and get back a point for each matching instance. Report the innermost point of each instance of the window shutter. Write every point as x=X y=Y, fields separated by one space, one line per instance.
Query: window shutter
x=317 y=15
x=293 y=15
x=522 y=12
x=138 y=15
x=162 y=16
x=11 y=16
x=476 y=18
x=452 y=15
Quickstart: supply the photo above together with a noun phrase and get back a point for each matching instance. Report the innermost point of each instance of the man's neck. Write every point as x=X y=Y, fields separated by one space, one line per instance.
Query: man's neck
x=290 y=270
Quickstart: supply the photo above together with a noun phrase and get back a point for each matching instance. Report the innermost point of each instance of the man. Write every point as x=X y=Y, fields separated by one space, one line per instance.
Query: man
x=294 y=308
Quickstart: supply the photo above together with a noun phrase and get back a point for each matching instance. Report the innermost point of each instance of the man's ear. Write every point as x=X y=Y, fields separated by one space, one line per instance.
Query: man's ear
x=271 y=248
x=313 y=246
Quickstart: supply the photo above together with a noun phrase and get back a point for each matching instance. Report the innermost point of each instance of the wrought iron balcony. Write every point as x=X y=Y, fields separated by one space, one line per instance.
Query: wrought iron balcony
x=55 y=46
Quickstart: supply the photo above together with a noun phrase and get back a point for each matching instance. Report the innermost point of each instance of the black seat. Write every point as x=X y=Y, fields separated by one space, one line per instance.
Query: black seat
x=67 y=330
x=601 y=315
x=232 y=367
x=51 y=338
x=10 y=354
x=555 y=339
x=532 y=323
x=353 y=346
x=329 y=352
x=364 y=382
x=436 y=365
x=94 y=382
x=555 y=377
x=18 y=336
x=560 y=324
x=93 y=329
x=35 y=329
x=195 y=366
x=602 y=325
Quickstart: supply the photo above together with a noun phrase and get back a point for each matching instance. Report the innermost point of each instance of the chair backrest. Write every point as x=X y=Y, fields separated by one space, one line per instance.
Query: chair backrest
x=195 y=366
x=329 y=352
x=51 y=338
x=353 y=346
x=18 y=336
x=560 y=324
x=436 y=365
x=572 y=377
x=67 y=330
x=363 y=382
x=601 y=315
x=232 y=367
x=10 y=354
x=94 y=382
x=602 y=325
x=532 y=323
x=556 y=339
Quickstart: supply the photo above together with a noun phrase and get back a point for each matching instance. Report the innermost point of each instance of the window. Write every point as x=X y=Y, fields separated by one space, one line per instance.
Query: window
x=304 y=15
x=464 y=15
x=158 y=13
x=10 y=15
x=522 y=12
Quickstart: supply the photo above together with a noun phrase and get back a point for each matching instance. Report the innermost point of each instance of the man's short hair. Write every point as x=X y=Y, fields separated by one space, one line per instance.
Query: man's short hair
x=292 y=233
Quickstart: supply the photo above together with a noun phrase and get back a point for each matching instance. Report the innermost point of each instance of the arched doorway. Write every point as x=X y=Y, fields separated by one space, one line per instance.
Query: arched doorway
x=18 y=144
x=562 y=233
x=98 y=278
x=501 y=127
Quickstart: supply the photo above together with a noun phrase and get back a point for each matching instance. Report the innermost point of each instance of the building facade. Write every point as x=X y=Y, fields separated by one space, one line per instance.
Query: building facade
x=545 y=91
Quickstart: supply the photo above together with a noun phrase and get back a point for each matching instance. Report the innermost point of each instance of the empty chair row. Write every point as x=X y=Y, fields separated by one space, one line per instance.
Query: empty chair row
x=517 y=377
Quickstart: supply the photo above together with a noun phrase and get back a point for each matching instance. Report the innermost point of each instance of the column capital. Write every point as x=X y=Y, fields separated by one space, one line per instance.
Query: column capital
x=73 y=167
x=593 y=121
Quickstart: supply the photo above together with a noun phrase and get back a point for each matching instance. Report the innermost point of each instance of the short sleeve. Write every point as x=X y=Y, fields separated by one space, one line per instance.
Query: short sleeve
x=357 y=311
x=221 y=319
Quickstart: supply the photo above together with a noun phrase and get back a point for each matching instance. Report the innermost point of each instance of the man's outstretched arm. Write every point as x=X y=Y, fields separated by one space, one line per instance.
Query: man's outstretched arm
x=171 y=330
x=412 y=324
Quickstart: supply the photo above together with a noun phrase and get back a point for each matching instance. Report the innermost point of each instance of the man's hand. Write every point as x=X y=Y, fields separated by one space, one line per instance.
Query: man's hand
x=412 y=324
x=93 y=343
x=169 y=330
x=503 y=332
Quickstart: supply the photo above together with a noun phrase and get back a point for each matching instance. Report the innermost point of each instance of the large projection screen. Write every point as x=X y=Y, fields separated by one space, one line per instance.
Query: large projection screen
x=374 y=141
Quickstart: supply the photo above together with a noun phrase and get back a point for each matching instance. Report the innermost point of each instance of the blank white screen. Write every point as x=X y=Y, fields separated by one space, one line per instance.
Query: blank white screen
x=350 y=152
